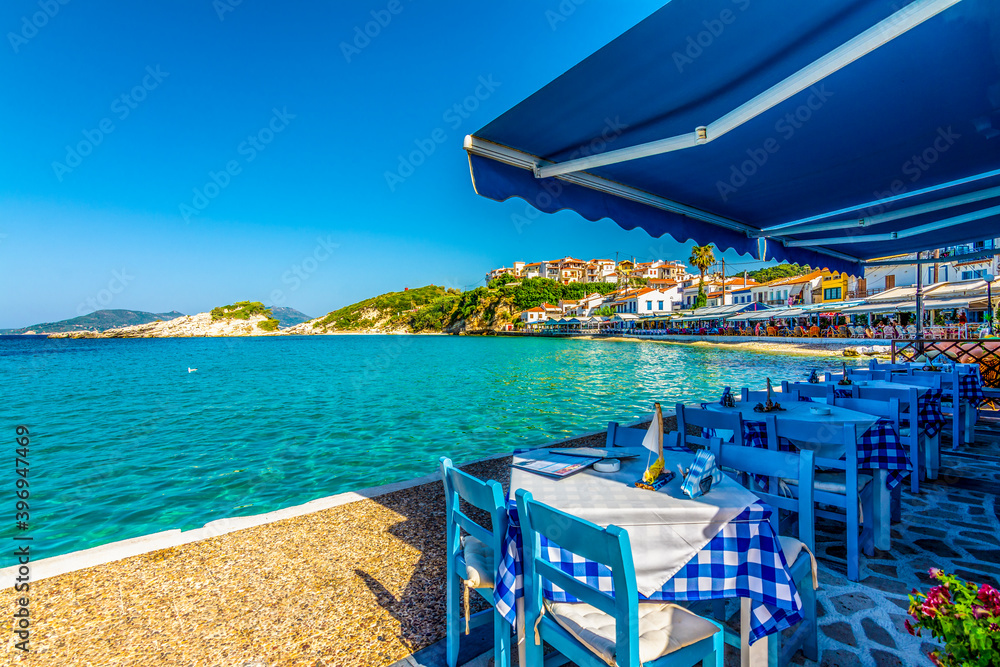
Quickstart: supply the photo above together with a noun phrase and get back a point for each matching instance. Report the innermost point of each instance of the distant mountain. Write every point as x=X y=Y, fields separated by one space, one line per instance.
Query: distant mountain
x=288 y=317
x=98 y=320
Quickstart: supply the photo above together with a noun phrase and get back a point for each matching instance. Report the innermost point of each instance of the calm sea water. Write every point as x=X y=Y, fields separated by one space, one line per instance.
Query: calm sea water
x=126 y=442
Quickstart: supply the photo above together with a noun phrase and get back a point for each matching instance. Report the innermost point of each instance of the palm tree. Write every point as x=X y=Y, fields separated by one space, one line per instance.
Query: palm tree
x=701 y=258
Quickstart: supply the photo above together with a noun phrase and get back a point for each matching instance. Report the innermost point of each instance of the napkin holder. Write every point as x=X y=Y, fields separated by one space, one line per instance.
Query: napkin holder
x=701 y=476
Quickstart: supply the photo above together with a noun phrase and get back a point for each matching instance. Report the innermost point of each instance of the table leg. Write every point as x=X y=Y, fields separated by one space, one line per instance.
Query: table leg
x=521 y=658
x=883 y=511
x=763 y=652
x=971 y=416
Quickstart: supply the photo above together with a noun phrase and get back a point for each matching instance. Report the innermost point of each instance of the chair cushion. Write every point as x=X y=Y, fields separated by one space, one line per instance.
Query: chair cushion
x=791 y=547
x=832 y=482
x=663 y=628
x=836 y=482
x=479 y=561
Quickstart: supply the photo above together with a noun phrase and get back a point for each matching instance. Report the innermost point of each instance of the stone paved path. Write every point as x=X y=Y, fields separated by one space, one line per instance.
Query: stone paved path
x=953 y=523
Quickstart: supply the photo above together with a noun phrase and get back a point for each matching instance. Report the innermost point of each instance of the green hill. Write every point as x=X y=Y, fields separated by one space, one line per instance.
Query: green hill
x=438 y=309
x=99 y=320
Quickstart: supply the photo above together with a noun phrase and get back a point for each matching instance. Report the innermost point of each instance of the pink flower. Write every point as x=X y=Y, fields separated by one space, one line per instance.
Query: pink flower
x=979 y=611
x=935 y=572
x=909 y=627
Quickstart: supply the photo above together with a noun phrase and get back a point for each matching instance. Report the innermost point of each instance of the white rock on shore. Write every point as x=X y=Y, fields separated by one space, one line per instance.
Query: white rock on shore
x=188 y=326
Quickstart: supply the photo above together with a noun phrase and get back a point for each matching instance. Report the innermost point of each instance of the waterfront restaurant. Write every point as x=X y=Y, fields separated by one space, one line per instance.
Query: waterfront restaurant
x=785 y=131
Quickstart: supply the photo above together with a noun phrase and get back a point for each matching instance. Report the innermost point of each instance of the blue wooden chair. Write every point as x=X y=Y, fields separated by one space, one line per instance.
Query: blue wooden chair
x=841 y=486
x=799 y=466
x=951 y=399
x=602 y=629
x=917 y=443
x=932 y=452
x=822 y=392
x=706 y=419
x=473 y=560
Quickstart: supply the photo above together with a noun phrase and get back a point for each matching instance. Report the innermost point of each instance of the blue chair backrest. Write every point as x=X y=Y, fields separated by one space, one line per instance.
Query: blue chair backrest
x=906 y=396
x=701 y=418
x=624 y=436
x=774 y=464
x=609 y=546
x=822 y=391
x=950 y=379
x=487 y=496
x=932 y=380
x=814 y=434
x=875 y=365
x=867 y=374
x=887 y=409
x=789 y=396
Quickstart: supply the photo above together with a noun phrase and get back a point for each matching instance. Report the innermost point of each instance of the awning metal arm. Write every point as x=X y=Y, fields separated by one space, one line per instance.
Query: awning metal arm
x=880 y=203
x=902 y=234
x=968 y=198
x=881 y=33
x=984 y=254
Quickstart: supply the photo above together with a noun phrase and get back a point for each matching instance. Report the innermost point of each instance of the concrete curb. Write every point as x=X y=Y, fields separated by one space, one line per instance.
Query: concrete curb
x=136 y=546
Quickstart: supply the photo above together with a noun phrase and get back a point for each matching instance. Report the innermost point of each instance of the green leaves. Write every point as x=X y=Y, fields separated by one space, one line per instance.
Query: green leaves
x=965 y=616
x=241 y=310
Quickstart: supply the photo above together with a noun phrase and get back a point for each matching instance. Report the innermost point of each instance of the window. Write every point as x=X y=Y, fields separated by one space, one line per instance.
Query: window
x=831 y=294
x=659 y=305
x=890 y=281
x=969 y=275
x=649 y=305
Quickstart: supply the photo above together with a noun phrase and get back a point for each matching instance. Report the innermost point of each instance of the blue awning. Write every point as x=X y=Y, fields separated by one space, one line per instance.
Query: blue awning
x=896 y=151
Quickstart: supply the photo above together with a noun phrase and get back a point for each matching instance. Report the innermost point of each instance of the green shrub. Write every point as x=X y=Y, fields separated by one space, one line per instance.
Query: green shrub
x=241 y=310
x=270 y=324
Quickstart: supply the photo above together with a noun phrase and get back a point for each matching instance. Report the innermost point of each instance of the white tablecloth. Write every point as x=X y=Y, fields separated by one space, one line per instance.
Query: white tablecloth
x=666 y=529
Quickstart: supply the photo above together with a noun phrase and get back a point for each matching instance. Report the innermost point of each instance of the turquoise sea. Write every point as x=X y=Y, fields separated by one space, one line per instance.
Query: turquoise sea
x=126 y=442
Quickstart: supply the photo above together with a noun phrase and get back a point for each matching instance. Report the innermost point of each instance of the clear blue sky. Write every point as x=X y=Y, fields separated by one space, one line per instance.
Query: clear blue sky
x=117 y=113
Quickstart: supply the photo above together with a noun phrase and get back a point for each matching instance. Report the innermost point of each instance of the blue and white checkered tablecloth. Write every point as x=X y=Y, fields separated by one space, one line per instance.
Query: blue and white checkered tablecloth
x=970 y=389
x=743 y=560
x=879 y=448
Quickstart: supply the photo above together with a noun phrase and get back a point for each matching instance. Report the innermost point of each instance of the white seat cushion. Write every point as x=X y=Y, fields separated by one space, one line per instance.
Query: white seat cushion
x=791 y=547
x=833 y=482
x=479 y=561
x=836 y=482
x=663 y=628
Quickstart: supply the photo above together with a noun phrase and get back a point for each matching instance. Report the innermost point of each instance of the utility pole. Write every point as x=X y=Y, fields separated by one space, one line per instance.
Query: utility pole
x=723 y=281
